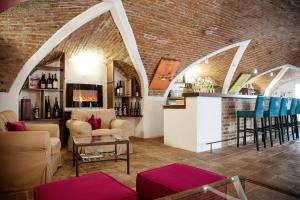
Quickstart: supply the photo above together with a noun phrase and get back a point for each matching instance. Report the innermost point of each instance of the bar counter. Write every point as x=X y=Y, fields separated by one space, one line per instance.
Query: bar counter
x=202 y=119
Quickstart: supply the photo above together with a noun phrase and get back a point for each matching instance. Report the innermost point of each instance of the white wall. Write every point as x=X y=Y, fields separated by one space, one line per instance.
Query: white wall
x=90 y=74
x=288 y=89
x=153 y=122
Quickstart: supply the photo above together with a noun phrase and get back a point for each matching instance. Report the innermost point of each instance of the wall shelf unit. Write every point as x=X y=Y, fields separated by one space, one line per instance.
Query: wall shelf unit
x=37 y=95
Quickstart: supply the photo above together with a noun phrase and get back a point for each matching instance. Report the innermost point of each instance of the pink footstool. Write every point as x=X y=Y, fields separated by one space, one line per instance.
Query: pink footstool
x=171 y=179
x=95 y=186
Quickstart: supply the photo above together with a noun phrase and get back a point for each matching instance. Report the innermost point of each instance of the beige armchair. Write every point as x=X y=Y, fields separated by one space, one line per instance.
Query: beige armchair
x=28 y=158
x=109 y=126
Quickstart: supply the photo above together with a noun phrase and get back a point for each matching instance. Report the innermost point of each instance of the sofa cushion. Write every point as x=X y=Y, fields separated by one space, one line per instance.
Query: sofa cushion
x=7 y=116
x=94 y=122
x=92 y=187
x=55 y=145
x=16 y=126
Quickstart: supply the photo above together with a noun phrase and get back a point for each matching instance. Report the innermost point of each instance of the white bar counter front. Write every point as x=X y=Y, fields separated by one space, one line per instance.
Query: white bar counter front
x=198 y=122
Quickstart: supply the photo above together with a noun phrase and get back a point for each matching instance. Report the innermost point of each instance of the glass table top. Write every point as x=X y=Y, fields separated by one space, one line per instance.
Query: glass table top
x=97 y=139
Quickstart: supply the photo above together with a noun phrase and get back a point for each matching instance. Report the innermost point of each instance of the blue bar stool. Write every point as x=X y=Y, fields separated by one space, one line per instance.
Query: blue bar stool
x=256 y=114
x=283 y=119
x=272 y=113
x=296 y=118
x=291 y=116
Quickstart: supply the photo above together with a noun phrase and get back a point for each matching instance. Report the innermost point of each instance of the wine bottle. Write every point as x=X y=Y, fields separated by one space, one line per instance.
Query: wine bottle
x=124 y=110
x=121 y=89
x=36 y=111
x=55 y=82
x=117 y=90
x=135 y=109
x=120 y=109
x=137 y=89
x=43 y=81
x=116 y=109
x=49 y=109
x=138 y=113
x=131 y=110
x=49 y=82
x=56 y=109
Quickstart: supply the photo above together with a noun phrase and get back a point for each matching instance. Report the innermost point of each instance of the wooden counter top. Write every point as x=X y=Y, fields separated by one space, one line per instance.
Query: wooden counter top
x=173 y=106
x=197 y=94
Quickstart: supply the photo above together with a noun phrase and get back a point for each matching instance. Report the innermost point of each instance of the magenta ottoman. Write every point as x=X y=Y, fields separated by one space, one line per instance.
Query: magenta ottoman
x=171 y=179
x=95 y=186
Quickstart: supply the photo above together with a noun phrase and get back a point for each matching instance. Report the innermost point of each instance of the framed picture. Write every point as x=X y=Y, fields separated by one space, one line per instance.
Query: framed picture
x=33 y=81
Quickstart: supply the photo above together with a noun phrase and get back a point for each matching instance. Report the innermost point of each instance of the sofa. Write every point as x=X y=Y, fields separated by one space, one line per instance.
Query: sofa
x=28 y=158
x=79 y=126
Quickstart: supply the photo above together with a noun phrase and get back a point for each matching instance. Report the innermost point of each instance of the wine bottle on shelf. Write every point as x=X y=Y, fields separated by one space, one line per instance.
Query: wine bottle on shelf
x=120 y=109
x=138 y=109
x=137 y=90
x=121 y=89
x=54 y=82
x=49 y=82
x=56 y=109
x=116 y=109
x=135 y=109
x=124 y=110
x=36 y=111
x=117 y=90
x=131 y=110
x=43 y=81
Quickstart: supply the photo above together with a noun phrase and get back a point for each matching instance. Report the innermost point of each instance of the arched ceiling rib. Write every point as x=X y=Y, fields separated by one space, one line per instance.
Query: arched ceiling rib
x=184 y=30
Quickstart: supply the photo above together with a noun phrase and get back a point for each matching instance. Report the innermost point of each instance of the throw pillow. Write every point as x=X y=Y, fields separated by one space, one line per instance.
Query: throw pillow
x=94 y=122
x=16 y=126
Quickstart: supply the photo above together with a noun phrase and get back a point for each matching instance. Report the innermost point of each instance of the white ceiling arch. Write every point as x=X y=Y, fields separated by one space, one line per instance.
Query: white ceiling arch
x=234 y=64
x=283 y=70
x=119 y=15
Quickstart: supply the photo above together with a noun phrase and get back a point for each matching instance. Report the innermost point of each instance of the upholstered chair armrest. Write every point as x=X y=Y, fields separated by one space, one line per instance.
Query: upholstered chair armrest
x=80 y=127
x=25 y=160
x=53 y=129
x=20 y=141
x=119 y=124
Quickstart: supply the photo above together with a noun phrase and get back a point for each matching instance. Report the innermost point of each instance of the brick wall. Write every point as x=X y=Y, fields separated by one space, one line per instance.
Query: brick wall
x=229 y=123
x=171 y=28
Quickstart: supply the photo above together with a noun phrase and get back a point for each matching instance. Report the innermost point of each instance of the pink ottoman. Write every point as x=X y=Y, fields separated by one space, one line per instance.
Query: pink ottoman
x=171 y=179
x=95 y=186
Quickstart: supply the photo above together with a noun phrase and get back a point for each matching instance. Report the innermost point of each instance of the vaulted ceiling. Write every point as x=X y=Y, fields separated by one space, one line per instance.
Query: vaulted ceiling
x=183 y=30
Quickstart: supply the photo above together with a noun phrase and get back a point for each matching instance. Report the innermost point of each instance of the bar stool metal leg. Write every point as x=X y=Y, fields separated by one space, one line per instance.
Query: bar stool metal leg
x=245 y=127
x=238 y=132
x=270 y=130
x=287 y=128
x=263 y=132
x=256 y=134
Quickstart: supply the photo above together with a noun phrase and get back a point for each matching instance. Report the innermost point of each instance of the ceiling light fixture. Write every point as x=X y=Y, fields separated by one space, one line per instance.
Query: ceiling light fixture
x=271 y=74
x=255 y=71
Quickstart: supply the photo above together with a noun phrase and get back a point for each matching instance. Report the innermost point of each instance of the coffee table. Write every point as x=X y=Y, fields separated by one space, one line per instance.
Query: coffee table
x=99 y=140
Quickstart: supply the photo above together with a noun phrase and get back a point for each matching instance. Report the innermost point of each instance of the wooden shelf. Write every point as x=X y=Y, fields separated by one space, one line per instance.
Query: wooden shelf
x=175 y=98
x=130 y=116
x=48 y=68
x=128 y=97
x=39 y=89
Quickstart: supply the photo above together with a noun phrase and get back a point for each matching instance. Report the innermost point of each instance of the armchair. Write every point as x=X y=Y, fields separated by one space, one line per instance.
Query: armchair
x=109 y=126
x=28 y=158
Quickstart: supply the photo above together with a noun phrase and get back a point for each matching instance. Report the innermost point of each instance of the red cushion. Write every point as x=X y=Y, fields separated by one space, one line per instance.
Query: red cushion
x=94 y=122
x=170 y=179
x=16 y=126
x=94 y=186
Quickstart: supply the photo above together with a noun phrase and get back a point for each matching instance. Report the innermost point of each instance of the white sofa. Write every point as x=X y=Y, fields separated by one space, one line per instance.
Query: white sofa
x=79 y=126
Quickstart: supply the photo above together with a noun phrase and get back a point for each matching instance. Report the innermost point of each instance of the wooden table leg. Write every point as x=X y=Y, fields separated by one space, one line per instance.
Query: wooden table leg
x=128 y=160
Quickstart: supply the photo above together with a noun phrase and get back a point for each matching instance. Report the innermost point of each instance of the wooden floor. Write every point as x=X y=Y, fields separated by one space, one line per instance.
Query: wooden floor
x=279 y=165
